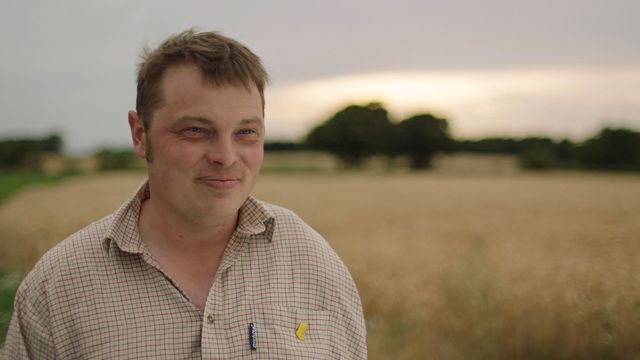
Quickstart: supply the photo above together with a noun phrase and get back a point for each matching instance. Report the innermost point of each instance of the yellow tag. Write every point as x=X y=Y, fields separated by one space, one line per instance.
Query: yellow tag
x=302 y=328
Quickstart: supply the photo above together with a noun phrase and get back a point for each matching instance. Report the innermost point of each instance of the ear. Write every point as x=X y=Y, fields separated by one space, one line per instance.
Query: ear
x=138 y=135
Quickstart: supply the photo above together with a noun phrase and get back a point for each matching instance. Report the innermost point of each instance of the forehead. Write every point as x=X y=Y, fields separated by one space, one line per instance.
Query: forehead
x=184 y=89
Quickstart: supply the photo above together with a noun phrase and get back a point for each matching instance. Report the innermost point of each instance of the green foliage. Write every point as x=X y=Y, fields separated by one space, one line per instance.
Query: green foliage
x=492 y=145
x=283 y=146
x=565 y=151
x=544 y=153
x=15 y=152
x=110 y=159
x=537 y=158
x=612 y=148
x=354 y=133
x=420 y=137
x=536 y=153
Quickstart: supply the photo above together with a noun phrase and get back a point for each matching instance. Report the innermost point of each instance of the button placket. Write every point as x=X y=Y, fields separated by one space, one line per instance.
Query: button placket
x=214 y=344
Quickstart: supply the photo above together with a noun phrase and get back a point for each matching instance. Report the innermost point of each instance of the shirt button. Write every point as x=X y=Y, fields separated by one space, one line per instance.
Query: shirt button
x=210 y=319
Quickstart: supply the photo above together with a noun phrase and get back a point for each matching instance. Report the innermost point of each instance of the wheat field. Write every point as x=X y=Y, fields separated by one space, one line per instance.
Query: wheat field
x=515 y=266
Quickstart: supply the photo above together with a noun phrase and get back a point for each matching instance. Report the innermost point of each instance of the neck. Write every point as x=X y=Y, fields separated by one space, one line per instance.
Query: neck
x=164 y=228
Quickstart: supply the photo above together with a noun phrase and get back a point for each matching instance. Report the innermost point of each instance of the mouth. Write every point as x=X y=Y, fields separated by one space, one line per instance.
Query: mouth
x=222 y=183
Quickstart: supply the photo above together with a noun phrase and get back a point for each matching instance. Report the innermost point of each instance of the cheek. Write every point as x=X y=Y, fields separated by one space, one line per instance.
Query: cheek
x=254 y=158
x=179 y=155
x=188 y=153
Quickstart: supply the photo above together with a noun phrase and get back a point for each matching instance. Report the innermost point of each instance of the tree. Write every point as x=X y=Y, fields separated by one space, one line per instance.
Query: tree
x=613 y=148
x=354 y=133
x=490 y=145
x=536 y=153
x=565 y=151
x=15 y=152
x=117 y=159
x=420 y=137
x=52 y=143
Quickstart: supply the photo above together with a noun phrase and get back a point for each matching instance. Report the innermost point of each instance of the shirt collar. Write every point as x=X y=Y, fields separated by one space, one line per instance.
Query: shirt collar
x=123 y=230
x=254 y=218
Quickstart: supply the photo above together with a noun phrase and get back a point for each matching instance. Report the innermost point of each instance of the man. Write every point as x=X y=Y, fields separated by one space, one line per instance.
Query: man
x=192 y=266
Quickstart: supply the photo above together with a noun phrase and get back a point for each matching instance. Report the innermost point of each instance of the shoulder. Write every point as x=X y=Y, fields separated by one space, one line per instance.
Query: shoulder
x=289 y=230
x=312 y=257
x=288 y=224
x=57 y=283
x=68 y=259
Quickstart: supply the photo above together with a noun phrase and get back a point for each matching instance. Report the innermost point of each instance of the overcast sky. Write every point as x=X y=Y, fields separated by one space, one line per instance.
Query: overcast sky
x=562 y=68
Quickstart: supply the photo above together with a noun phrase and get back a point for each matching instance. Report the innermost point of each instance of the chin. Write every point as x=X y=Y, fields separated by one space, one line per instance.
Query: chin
x=223 y=208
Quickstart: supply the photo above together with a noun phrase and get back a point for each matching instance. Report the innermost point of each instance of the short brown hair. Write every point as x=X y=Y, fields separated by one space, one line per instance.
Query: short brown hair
x=221 y=60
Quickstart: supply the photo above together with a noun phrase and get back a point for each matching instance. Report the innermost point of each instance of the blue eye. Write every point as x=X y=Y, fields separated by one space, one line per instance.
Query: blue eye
x=194 y=132
x=247 y=132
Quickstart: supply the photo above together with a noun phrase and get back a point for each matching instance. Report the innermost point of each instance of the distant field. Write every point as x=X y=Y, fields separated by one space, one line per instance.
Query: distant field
x=449 y=265
x=12 y=182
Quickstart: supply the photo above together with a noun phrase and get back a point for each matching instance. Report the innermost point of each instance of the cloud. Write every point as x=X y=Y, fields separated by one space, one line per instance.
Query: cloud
x=559 y=102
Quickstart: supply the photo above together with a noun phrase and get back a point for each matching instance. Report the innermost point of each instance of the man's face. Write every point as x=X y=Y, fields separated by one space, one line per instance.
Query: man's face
x=207 y=146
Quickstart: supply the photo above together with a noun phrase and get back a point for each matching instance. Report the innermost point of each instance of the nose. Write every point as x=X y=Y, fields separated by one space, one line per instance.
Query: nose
x=222 y=152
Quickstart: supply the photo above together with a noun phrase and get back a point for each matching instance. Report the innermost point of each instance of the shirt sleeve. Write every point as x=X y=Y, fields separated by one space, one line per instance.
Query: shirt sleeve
x=354 y=324
x=29 y=335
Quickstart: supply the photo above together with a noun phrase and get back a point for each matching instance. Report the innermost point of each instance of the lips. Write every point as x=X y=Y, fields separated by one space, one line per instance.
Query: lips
x=221 y=183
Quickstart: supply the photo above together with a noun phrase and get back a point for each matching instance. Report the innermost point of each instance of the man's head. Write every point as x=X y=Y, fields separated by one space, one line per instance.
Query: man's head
x=221 y=61
x=201 y=106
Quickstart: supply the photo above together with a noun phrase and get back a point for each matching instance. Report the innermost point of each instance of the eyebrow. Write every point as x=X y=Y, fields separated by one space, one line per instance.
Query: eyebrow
x=251 y=120
x=206 y=121
x=198 y=119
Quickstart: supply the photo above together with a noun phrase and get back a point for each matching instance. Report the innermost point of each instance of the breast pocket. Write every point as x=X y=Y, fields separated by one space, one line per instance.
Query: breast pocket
x=288 y=333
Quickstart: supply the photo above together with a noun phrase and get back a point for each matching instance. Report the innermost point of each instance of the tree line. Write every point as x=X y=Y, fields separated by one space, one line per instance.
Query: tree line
x=27 y=152
x=358 y=132
x=18 y=152
x=609 y=149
